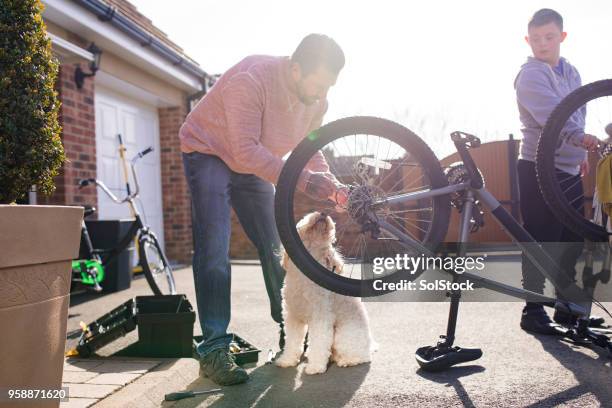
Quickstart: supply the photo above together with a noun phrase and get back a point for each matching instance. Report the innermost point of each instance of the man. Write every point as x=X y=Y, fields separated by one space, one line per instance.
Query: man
x=233 y=142
x=543 y=81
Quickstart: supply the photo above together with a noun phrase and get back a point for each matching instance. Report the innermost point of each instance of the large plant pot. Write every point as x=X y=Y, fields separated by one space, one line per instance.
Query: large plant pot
x=37 y=244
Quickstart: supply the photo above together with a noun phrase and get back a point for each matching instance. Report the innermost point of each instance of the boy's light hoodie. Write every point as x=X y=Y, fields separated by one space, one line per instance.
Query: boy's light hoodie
x=539 y=89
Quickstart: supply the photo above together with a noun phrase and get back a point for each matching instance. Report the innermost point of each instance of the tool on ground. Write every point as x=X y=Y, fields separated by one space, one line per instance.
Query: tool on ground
x=175 y=396
x=270 y=357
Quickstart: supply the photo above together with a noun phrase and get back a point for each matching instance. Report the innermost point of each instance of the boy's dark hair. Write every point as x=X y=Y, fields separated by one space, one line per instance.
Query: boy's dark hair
x=318 y=49
x=545 y=16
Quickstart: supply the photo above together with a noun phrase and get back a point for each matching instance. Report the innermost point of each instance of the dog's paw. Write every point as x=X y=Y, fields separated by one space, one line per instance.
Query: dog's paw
x=313 y=368
x=349 y=362
x=286 y=360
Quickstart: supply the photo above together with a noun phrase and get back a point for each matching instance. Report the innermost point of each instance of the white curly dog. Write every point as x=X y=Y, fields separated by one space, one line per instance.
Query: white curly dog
x=337 y=325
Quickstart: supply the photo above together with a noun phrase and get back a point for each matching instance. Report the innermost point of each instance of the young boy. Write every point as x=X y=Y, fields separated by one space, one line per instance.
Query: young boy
x=543 y=81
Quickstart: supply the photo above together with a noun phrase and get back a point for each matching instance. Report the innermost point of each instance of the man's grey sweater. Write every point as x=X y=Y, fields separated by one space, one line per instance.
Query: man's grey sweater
x=539 y=89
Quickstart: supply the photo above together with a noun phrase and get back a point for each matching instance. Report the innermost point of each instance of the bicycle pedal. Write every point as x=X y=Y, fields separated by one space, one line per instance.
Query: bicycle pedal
x=440 y=358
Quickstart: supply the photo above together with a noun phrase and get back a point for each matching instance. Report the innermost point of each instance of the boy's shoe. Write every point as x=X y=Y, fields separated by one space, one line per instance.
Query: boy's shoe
x=567 y=319
x=219 y=365
x=536 y=320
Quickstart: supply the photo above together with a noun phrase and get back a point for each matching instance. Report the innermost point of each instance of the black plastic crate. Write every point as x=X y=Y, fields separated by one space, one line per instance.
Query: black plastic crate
x=248 y=353
x=165 y=325
x=107 y=328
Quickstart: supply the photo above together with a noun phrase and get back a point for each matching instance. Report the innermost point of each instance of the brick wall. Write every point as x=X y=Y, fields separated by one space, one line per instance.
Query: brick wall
x=77 y=118
x=176 y=199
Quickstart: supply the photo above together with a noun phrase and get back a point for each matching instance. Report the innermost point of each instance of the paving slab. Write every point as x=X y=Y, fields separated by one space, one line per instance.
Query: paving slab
x=114 y=378
x=91 y=390
x=79 y=402
x=78 y=377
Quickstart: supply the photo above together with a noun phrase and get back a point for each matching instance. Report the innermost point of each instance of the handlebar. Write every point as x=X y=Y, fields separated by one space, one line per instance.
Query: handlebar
x=130 y=195
x=86 y=182
x=143 y=153
x=99 y=183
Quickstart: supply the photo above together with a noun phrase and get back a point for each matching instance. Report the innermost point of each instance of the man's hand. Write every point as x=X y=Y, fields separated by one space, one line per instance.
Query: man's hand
x=342 y=194
x=320 y=186
x=324 y=186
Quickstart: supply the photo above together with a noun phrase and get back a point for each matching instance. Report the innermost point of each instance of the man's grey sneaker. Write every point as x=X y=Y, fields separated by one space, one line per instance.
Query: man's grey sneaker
x=219 y=365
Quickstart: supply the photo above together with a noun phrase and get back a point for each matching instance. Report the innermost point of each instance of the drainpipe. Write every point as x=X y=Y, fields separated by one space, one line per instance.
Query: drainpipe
x=207 y=83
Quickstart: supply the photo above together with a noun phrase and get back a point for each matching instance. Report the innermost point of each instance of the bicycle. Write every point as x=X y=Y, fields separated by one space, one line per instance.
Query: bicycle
x=401 y=203
x=152 y=259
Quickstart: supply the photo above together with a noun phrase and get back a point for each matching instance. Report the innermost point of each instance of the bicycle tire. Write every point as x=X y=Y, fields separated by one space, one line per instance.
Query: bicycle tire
x=545 y=155
x=288 y=180
x=169 y=288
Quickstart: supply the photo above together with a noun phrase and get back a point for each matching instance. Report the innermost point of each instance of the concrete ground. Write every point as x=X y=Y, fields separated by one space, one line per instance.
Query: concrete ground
x=516 y=370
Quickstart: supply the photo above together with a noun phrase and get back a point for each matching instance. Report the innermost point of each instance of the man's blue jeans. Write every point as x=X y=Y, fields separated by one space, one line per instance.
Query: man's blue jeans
x=214 y=189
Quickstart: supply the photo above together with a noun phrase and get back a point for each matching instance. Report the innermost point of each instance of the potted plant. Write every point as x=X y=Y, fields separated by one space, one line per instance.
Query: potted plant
x=37 y=243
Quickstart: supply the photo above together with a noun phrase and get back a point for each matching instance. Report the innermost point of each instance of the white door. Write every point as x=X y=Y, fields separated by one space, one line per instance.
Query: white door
x=138 y=124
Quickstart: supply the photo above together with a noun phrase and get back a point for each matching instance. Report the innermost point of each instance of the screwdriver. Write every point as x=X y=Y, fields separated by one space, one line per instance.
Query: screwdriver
x=175 y=396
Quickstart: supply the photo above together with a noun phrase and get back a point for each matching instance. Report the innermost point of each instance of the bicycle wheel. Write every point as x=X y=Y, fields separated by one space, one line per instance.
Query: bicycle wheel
x=595 y=101
x=155 y=266
x=378 y=159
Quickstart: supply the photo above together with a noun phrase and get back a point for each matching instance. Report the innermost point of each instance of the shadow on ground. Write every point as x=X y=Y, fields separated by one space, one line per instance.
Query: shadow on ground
x=283 y=387
x=451 y=378
x=589 y=376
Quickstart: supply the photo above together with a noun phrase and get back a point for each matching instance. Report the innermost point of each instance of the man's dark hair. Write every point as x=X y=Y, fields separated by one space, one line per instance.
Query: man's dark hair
x=545 y=16
x=318 y=49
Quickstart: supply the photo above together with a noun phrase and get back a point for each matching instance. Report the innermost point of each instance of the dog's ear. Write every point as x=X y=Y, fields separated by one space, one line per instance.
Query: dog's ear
x=337 y=262
x=303 y=223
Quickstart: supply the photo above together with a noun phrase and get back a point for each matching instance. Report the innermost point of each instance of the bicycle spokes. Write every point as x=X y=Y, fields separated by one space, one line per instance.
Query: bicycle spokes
x=374 y=168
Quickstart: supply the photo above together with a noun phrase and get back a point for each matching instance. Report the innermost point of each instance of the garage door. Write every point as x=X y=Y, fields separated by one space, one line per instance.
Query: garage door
x=138 y=124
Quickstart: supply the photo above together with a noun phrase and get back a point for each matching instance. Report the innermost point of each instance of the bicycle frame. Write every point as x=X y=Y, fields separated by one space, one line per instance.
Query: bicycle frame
x=146 y=237
x=137 y=228
x=107 y=255
x=574 y=299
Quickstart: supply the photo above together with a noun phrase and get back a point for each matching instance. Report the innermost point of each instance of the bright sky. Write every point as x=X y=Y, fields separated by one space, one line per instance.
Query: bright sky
x=434 y=66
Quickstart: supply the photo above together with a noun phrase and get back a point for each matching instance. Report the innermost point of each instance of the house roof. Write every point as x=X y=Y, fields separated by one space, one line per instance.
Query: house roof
x=130 y=11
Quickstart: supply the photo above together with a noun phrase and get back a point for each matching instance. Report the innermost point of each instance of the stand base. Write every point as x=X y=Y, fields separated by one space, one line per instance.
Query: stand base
x=589 y=337
x=441 y=357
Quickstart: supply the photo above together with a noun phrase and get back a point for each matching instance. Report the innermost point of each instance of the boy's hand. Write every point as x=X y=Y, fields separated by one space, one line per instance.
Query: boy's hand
x=584 y=168
x=590 y=142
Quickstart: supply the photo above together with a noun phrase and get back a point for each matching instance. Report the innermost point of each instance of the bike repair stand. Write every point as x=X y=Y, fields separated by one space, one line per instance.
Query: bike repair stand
x=445 y=354
x=581 y=333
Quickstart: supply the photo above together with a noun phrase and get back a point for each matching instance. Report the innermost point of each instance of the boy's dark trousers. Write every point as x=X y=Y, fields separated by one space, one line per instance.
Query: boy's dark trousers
x=561 y=243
